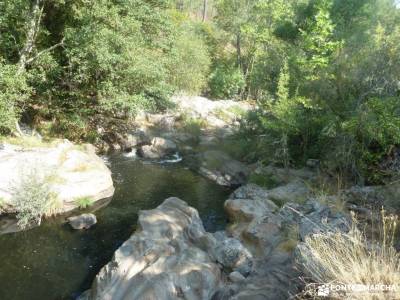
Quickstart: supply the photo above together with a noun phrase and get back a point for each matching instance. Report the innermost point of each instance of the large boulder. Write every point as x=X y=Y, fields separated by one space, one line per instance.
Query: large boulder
x=70 y=172
x=158 y=148
x=271 y=234
x=217 y=114
x=170 y=256
x=161 y=260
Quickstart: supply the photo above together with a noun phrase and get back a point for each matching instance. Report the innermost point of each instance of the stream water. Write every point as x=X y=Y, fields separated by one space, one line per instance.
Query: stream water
x=54 y=262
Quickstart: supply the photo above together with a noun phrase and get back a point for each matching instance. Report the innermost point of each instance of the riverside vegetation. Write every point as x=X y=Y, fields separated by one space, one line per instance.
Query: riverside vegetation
x=317 y=84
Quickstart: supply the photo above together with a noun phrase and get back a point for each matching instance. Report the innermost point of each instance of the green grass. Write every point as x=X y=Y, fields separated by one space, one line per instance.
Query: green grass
x=2 y=204
x=34 y=199
x=237 y=111
x=229 y=114
x=292 y=234
x=223 y=115
x=84 y=202
x=263 y=180
x=192 y=126
x=29 y=141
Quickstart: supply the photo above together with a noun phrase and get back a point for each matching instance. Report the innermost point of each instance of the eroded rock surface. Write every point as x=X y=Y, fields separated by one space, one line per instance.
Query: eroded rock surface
x=71 y=172
x=172 y=257
x=161 y=260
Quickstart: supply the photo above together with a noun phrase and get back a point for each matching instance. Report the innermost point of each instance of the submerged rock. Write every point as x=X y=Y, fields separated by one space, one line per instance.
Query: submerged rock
x=220 y=167
x=84 y=221
x=158 y=148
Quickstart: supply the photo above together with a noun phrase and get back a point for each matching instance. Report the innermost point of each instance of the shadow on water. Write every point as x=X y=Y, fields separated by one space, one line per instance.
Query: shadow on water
x=55 y=262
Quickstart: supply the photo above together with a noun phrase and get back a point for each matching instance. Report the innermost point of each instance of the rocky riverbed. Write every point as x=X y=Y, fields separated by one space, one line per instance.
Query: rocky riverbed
x=171 y=256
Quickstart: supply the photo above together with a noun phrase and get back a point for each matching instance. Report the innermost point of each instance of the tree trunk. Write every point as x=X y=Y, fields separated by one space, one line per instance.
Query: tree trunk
x=31 y=35
x=179 y=5
x=204 y=10
x=238 y=51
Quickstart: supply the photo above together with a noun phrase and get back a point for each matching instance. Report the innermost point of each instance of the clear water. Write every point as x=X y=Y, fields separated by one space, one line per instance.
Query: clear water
x=55 y=262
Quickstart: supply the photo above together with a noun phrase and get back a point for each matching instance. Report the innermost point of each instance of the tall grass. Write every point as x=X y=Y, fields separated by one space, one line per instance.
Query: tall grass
x=352 y=258
x=33 y=198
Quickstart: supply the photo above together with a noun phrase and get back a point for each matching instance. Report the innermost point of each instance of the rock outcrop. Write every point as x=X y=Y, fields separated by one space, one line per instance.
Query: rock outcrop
x=71 y=172
x=165 y=259
x=172 y=257
x=218 y=120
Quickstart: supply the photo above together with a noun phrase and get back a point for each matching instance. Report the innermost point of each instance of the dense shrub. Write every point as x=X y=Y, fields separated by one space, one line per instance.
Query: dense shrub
x=13 y=93
x=226 y=82
x=190 y=61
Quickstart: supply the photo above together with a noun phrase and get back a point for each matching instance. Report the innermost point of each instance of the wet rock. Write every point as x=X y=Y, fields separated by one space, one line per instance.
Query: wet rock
x=221 y=168
x=158 y=148
x=84 y=221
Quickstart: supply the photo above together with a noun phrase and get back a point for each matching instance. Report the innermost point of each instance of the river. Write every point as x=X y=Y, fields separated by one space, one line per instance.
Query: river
x=53 y=262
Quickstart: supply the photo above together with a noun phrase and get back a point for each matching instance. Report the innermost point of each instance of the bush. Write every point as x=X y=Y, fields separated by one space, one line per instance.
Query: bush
x=360 y=142
x=226 y=82
x=13 y=92
x=33 y=198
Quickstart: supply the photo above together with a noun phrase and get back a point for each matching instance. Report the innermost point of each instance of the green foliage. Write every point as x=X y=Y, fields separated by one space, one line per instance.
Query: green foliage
x=190 y=60
x=2 y=204
x=262 y=180
x=84 y=202
x=73 y=127
x=13 y=93
x=317 y=39
x=193 y=126
x=87 y=59
x=226 y=82
x=325 y=73
x=365 y=138
x=33 y=198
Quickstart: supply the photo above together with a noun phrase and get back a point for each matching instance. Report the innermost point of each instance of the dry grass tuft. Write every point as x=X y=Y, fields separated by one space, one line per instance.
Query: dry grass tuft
x=350 y=258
